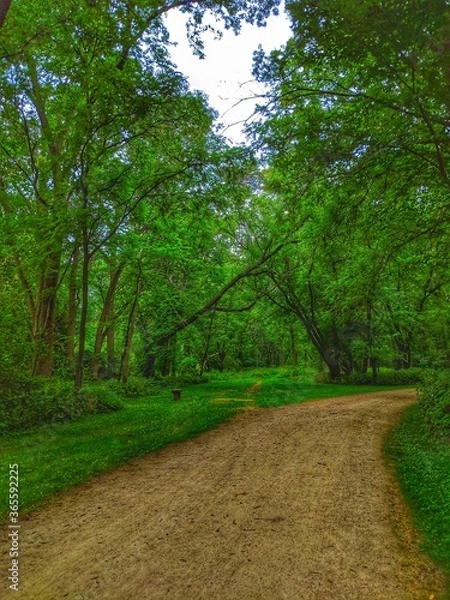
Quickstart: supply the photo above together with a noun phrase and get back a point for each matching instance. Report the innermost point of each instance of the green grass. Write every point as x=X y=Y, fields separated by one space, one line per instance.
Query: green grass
x=277 y=392
x=56 y=457
x=422 y=464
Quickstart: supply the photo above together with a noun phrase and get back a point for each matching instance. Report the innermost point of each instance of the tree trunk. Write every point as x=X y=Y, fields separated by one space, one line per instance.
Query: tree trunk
x=168 y=355
x=125 y=365
x=149 y=366
x=222 y=357
x=281 y=352
x=329 y=354
x=45 y=317
x=294 y=350
x=111 y=349
x=72 y=309
x=334 y=370
x=204 y=358
x=4 y=7
x=403 y=360
x=79 y=371
x=105 y=326
x=374 y=367
x=51 y=245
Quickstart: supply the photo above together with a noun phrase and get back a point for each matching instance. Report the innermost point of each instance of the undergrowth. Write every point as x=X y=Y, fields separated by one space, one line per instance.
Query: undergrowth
x=29 y=402
x=389 y=377
x=34 y=401
x=422 y=463
x=420 y=450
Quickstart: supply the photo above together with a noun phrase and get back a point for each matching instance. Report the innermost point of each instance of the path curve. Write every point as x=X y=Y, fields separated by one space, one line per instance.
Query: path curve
x=290 y=503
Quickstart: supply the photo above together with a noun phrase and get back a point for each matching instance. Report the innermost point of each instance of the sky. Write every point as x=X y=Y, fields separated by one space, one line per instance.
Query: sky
x=225 y=75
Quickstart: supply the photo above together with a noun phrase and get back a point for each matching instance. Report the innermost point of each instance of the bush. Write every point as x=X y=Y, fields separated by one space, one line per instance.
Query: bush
x=34 y=401
x=27 y=402
x=135 y=387
x=176 y=381
x=188 y=366
x=323 y=377
x=139 y=387
x=99 y=399
x=434 y=402
x=410 y=376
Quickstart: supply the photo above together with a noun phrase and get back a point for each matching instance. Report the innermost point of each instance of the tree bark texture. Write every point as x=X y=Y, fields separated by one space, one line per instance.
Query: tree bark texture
x=45 y=317
x=125 y=365
x=105 y=326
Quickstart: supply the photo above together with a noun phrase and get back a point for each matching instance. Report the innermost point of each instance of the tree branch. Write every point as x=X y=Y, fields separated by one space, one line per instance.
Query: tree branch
x=4 y=7
x=152 y=17
x=211 y=304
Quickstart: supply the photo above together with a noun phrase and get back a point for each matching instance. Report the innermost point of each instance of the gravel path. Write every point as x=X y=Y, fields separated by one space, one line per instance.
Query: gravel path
x=290 y=503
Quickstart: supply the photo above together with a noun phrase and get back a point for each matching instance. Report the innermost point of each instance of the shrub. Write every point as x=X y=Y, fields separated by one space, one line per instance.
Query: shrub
x=434 y=402
x=33 y=401
x=322 y=377
x=188 y=366
x=99 y=399
x=176 y=381
x=135 y=387
x=410 y=376
x=27 y=402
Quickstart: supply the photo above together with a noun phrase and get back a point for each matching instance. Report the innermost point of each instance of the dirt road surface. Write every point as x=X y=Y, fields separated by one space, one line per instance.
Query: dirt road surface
x=290 y=503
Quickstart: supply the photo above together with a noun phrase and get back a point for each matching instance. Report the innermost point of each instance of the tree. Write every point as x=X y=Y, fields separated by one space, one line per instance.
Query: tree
x=354 y=131
x=89 y=101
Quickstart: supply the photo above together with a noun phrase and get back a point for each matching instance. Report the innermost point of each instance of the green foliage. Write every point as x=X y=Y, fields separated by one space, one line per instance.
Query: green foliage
x=422 y=463
x=434 y=402
x=29 y=402
x=95 y=399
x=389 y=377
x=135 y=387
x=188 y=366
x=349 y=156
x=176 y=381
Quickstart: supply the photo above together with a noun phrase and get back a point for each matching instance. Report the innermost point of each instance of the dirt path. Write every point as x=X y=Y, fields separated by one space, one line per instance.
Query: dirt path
x=290 y=503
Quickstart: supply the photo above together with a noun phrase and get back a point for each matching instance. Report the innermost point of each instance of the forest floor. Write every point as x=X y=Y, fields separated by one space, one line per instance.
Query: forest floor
x=290 y=503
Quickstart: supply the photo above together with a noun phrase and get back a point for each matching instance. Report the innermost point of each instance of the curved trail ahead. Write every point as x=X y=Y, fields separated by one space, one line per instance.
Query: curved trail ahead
x=290 y=503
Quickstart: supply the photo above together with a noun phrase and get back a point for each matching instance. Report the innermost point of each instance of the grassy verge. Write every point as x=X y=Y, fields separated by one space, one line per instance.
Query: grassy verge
x=277 y=392
x=422 y=463
x=55 y=457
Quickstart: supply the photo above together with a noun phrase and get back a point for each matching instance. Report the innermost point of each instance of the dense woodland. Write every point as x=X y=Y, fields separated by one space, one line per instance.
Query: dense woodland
x=136 y=240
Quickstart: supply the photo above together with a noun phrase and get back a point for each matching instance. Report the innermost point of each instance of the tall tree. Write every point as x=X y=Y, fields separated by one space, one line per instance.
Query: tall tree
x=86 y=90
x=355 y=133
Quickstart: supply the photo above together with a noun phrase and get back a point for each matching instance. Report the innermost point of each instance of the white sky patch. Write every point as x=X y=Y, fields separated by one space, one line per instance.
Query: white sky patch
x=225 y=75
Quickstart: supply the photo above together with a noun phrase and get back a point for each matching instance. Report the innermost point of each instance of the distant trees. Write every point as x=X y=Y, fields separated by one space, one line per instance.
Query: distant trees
x=135 y=240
